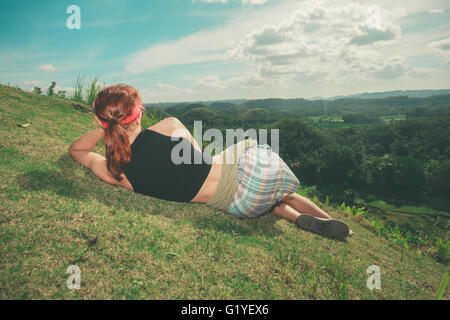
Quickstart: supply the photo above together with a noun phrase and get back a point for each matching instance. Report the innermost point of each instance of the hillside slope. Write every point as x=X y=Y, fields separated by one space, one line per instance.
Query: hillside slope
x=55 y=213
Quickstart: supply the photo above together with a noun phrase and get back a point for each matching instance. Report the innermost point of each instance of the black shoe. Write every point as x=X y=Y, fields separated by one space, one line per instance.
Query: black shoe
x=328 y=228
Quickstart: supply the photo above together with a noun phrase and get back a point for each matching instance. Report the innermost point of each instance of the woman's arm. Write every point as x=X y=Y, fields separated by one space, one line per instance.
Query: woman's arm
x=80 y=151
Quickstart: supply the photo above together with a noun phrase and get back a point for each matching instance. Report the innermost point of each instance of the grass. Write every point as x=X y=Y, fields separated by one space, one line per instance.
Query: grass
x=55 y=213
x=420 y=219
x=92 y=89
x=78 y=89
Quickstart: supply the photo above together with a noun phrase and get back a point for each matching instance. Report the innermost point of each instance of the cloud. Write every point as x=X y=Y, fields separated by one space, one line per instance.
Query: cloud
x=33 y=83
x=47 y=68
x=393 y=68
x=436 y=11
x=324 y=41
x=308 y=76
x=226 y=1
x=251 y=79
x=442 y=47
x=166 y=86
x=210 y=82
x=443 y=44
x=372 y=35
x=191 y=49
x=166 y=92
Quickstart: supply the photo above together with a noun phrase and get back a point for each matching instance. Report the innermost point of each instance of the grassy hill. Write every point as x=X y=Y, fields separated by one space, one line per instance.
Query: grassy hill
x=55 y=213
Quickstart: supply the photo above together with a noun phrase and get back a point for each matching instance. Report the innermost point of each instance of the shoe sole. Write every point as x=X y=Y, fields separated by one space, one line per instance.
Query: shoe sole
x=334 y=229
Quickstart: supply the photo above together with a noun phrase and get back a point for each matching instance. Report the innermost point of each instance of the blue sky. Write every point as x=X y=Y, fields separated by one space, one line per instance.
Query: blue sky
x=184 y=50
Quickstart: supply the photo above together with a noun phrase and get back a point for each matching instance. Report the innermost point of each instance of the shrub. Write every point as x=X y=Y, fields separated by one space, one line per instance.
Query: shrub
x=92 y=89
x=442 y=247
x=78 y=89
x=50 y=91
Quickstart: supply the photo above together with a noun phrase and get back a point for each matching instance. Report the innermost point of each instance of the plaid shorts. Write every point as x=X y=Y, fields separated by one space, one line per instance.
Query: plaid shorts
x=263 y=178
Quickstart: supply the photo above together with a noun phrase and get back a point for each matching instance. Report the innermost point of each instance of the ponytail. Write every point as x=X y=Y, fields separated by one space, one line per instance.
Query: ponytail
x=118 y=151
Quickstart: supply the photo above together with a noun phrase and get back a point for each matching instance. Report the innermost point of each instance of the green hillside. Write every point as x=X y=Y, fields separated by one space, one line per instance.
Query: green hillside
x=55 y=213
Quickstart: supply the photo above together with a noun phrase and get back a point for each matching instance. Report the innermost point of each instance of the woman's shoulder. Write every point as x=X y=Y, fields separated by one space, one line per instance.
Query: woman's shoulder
x=169 y=126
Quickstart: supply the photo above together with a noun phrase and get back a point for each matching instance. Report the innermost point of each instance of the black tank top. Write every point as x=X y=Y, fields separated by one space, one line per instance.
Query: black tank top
x=152 y=172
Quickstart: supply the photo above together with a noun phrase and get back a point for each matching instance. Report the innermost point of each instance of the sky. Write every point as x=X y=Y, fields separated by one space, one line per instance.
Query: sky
x=198 y=50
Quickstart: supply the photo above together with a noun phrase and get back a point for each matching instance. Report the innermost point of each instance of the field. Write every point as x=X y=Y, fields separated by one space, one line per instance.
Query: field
x=419 y=219
x=338 y=122
x=55 y=213
x=326 y=118
x=388 y=118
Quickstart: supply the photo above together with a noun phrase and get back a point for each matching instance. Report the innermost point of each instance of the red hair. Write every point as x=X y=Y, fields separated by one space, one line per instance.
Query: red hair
x=112 y=105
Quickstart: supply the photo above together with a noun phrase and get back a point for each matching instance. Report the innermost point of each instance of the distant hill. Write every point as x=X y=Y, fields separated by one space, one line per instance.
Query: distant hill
x=165 y=105
x=385 y=94
x=225 y=105
x=157 y=112
x=438 y=104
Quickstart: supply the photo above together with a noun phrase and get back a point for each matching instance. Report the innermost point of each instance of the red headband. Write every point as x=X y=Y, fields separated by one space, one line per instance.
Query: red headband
x=128 y=119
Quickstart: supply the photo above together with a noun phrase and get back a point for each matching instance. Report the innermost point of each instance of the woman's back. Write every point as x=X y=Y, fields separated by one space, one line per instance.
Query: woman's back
x=153 y=169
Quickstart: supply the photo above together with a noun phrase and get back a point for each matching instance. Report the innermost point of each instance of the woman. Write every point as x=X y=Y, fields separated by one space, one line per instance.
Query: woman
x=142 y=161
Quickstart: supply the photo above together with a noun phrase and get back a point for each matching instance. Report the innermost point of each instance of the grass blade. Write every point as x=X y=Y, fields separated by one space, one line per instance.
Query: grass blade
x=442 y=286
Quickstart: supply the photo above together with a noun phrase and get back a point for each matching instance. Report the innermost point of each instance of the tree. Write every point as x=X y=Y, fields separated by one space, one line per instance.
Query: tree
x=61 y=94
x=438 y=178
x=398 y=176
x=400 y=147
x=342 y=164
x=50 y=91
x=379 y=134
x=37 y=90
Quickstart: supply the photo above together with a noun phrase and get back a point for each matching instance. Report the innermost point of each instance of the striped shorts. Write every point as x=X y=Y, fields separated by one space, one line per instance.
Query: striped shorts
x=263 y=178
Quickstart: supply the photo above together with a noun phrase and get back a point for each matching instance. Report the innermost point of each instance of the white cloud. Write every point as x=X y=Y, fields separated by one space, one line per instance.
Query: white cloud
x=47 y=68
x=436 y=11
x=191 y=49
x=372 y=35
x=226 y=1
x=166 y=92
x=249 y=80
x=443 y=44
x=210 y=82
x=166 y=86
x=442 y=47
x=324 y=41
x=33 y=83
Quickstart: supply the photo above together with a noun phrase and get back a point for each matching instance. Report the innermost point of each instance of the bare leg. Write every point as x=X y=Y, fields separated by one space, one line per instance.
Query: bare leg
x=324 y=226
x=304 y=205
x=283 y=210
